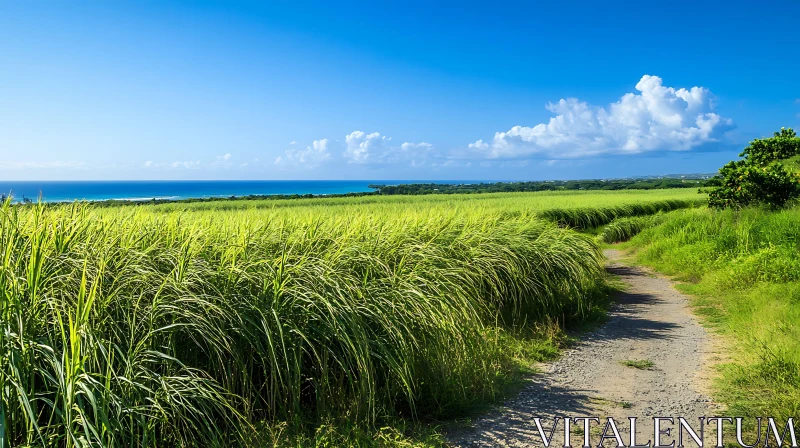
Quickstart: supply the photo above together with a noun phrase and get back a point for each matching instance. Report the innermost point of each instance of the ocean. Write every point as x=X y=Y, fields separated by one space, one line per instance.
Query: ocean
x=63 y=191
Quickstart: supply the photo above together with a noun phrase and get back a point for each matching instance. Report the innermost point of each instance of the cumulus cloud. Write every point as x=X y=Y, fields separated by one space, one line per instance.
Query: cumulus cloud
x=310 y=157
x=407 y=146
x=480 y=144
x=657 y=118
x=365 y=148
x=375 y=149
x=415 y=154
x=223 y=161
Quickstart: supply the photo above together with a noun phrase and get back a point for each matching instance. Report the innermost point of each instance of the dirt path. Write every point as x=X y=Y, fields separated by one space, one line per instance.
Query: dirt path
x=651 y=321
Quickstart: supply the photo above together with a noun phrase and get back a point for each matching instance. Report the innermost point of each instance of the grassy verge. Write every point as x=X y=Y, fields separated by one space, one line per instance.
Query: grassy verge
x=743 y=269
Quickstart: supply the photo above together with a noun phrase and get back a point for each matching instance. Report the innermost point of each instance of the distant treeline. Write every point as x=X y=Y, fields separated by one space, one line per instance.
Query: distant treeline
x=506 y=187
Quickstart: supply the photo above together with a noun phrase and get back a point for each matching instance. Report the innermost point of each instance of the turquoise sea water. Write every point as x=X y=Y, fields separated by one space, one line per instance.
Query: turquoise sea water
x=58 y=191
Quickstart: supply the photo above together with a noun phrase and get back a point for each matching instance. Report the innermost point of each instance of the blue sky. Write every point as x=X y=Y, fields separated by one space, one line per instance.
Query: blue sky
x=390 y=90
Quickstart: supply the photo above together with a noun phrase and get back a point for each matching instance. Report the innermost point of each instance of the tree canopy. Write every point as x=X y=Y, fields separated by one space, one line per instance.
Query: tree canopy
x=761 y=177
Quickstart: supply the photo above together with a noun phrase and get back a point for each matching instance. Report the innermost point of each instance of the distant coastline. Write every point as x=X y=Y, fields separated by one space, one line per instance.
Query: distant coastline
x=163 y=191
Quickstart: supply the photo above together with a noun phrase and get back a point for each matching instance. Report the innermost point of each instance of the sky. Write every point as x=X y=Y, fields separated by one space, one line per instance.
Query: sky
x=390 y=90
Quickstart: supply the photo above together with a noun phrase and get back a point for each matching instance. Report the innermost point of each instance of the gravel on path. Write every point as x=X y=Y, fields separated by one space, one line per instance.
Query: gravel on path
x=650 y=321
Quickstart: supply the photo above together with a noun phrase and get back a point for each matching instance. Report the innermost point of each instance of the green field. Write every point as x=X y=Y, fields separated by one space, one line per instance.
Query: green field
x=354 y=321
x=497 y=201
x=201 y=323
x=342 y=321
x=582 y=210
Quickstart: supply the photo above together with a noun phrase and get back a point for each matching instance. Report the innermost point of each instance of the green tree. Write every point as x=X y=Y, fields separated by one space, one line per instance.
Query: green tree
x=782 y=145
x=760 y=177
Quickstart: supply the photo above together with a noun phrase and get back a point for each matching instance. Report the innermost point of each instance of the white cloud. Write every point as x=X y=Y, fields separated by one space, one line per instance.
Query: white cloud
x=294 y=142
x=416 y=154
x=452 y=164
x=408 y=146
x=657 y=118
x=365 y=148
x=374 y=149
x=188 y=164
x=223 y=161
x=310 y=157
x=480 y=144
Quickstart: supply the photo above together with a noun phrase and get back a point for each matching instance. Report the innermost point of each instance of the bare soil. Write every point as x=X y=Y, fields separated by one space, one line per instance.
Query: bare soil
x=650 y=321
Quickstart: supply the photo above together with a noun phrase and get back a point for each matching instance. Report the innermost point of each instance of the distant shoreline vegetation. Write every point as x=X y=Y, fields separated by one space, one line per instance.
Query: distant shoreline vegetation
x=687 y=181
x=554 y=185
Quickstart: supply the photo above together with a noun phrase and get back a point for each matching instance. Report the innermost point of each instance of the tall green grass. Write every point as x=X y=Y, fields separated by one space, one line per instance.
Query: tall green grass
x=744 y=269
x=596 y=216
x=623 y=229
x=157 y=326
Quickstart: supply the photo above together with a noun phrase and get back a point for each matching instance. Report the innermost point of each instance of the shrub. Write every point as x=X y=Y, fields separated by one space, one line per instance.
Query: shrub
x=782 y=145
x=745 y=183
x=760 y=177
